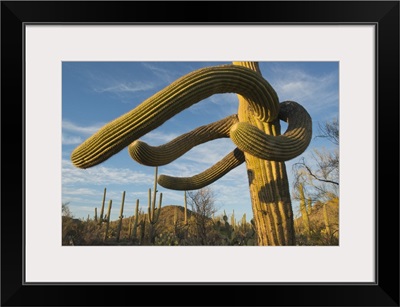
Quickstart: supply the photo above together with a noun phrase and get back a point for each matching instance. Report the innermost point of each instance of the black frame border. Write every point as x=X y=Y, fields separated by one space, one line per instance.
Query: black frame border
x=383 y=14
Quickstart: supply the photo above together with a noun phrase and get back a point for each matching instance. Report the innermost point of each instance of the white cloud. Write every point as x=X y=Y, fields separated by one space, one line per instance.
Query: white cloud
x=100 y=81
x=167 y=76
x=79 y=191
x=158 y=137
x=224 y=98
x=218 y=105
x=180 y=169
x=80 y=209
x=102 y=175
x=86 y=130
x=210 y=152
x=71 y=140
x=124 y=87
x=314 y=92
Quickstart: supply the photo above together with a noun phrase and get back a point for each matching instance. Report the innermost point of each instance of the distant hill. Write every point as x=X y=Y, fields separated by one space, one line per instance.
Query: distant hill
x=167 y=216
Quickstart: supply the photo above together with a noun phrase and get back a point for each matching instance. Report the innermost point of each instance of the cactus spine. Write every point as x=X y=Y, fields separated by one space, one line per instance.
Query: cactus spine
x=121 y=216
x=108 y=220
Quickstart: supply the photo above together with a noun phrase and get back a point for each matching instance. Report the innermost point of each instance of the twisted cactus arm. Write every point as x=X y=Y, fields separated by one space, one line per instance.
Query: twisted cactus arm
x=148 y=155
x=250 y=139
x=229 y=162
x=280 y=148
x=176 y=97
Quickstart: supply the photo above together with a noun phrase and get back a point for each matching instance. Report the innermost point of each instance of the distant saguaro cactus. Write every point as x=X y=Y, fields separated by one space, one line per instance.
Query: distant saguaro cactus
x=153 y=212
x=326 y=219
x=102 y=206
x=255 y=130
x=185 y=209
x=304 y=212
x=135 y=223
x=121 y=216
x=108 y=220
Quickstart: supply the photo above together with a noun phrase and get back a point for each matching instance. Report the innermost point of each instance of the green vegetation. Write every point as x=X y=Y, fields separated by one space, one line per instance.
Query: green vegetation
x=219 y=230
x=174 y=225
x=170 y=230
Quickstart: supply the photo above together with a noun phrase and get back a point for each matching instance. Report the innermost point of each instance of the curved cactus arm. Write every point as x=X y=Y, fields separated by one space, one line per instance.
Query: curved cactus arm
x=173 y=99
x=148 y=155
x=219 y=169
x=284 y=147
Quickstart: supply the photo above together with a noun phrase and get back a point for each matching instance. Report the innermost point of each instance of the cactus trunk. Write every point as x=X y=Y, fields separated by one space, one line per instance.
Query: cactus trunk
x=142 y=230
x=135 y=221
x=130 y=227
x=326 y=220
x=244 y=222
x=102 y=205
x=121 y=216
x=268 y=183
x=233 y=220
x=108 y=220
x=304 y=212
x=153 y=212
x=309 y=206
x=185 y=201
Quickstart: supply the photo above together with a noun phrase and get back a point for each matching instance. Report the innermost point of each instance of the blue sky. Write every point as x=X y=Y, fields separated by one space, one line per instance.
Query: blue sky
x=94 y=93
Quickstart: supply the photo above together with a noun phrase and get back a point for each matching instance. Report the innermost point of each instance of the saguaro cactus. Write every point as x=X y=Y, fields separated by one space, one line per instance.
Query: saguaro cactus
x=326 y=219
x=309 y=205
x=244 y=222
x=233 y=220
x=102 y=206
x=185 y=209
x=153 y=212
x=254 y=130
x=108 y=220
x=121 y=216
x=135 y=221
x=304 y=212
